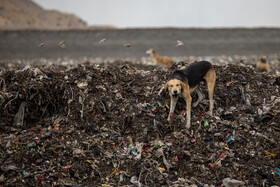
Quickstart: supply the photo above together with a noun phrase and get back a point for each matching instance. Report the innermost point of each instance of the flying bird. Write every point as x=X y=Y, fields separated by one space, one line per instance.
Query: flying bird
x=41 y=44
x=62 y=44
x=179 y=43
x=127 y=45
x=102 y=41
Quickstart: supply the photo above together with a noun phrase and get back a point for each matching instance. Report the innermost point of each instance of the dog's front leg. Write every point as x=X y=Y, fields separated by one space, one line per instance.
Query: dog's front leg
x=172 y=107
x=188 y=100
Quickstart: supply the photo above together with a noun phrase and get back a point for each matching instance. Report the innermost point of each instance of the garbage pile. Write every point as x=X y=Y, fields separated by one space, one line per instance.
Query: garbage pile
x=106 y=125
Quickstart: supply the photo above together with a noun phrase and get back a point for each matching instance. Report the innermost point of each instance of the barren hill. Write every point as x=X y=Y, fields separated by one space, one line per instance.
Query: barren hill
x=25 y=14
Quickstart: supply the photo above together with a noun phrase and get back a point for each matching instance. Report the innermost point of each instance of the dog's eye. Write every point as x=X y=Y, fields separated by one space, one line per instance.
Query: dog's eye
x=171 y=85
x=177 y=84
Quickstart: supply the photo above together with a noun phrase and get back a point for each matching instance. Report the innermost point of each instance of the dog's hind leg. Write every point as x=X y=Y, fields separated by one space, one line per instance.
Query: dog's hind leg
x=172 y=107
x=210 y=78
x=200 y=97
x=188 y=100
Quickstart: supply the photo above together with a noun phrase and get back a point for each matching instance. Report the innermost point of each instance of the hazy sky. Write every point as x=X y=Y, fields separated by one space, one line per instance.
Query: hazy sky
x=172 y=13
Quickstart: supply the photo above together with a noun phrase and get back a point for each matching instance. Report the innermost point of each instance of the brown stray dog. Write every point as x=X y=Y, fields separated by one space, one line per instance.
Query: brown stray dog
x=262 y=65
x=159 y=60
x=184 y=82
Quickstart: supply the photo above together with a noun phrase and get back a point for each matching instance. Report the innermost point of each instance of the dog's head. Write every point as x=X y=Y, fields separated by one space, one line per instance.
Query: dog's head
x=151 y=51
x=263 y=59
x=175 y=87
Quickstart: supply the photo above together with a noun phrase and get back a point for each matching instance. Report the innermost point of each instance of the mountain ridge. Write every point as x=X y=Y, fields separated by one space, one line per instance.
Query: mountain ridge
x=26 y=14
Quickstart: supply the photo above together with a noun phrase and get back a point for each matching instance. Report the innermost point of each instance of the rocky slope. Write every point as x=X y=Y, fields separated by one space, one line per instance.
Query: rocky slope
x=25 y=14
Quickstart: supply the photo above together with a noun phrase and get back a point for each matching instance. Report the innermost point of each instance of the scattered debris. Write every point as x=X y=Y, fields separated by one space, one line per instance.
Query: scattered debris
x=105 y=125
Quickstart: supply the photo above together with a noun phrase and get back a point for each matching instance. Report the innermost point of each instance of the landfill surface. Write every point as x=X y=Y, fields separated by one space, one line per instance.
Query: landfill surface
x=105 y=125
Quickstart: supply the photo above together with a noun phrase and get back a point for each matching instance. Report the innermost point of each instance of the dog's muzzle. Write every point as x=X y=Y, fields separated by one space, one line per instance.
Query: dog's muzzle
x=175 y=94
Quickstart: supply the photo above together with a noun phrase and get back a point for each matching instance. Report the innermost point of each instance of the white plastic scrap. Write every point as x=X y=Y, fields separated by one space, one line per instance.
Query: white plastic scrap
x=134 y=181
x=228 y=182
x=18 y=120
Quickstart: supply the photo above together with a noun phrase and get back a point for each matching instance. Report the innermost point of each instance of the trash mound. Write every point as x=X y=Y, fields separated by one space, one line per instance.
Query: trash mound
x=105 y=125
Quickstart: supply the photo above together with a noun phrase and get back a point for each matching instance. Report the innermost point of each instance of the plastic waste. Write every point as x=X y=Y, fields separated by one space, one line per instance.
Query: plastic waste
x=133 y=152
x=134 y=181
x=18 y=120
x=228 y=182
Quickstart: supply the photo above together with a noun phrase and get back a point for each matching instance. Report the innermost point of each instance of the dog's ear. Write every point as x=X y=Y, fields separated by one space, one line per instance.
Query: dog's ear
x=184 y=87
x=166 y=86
